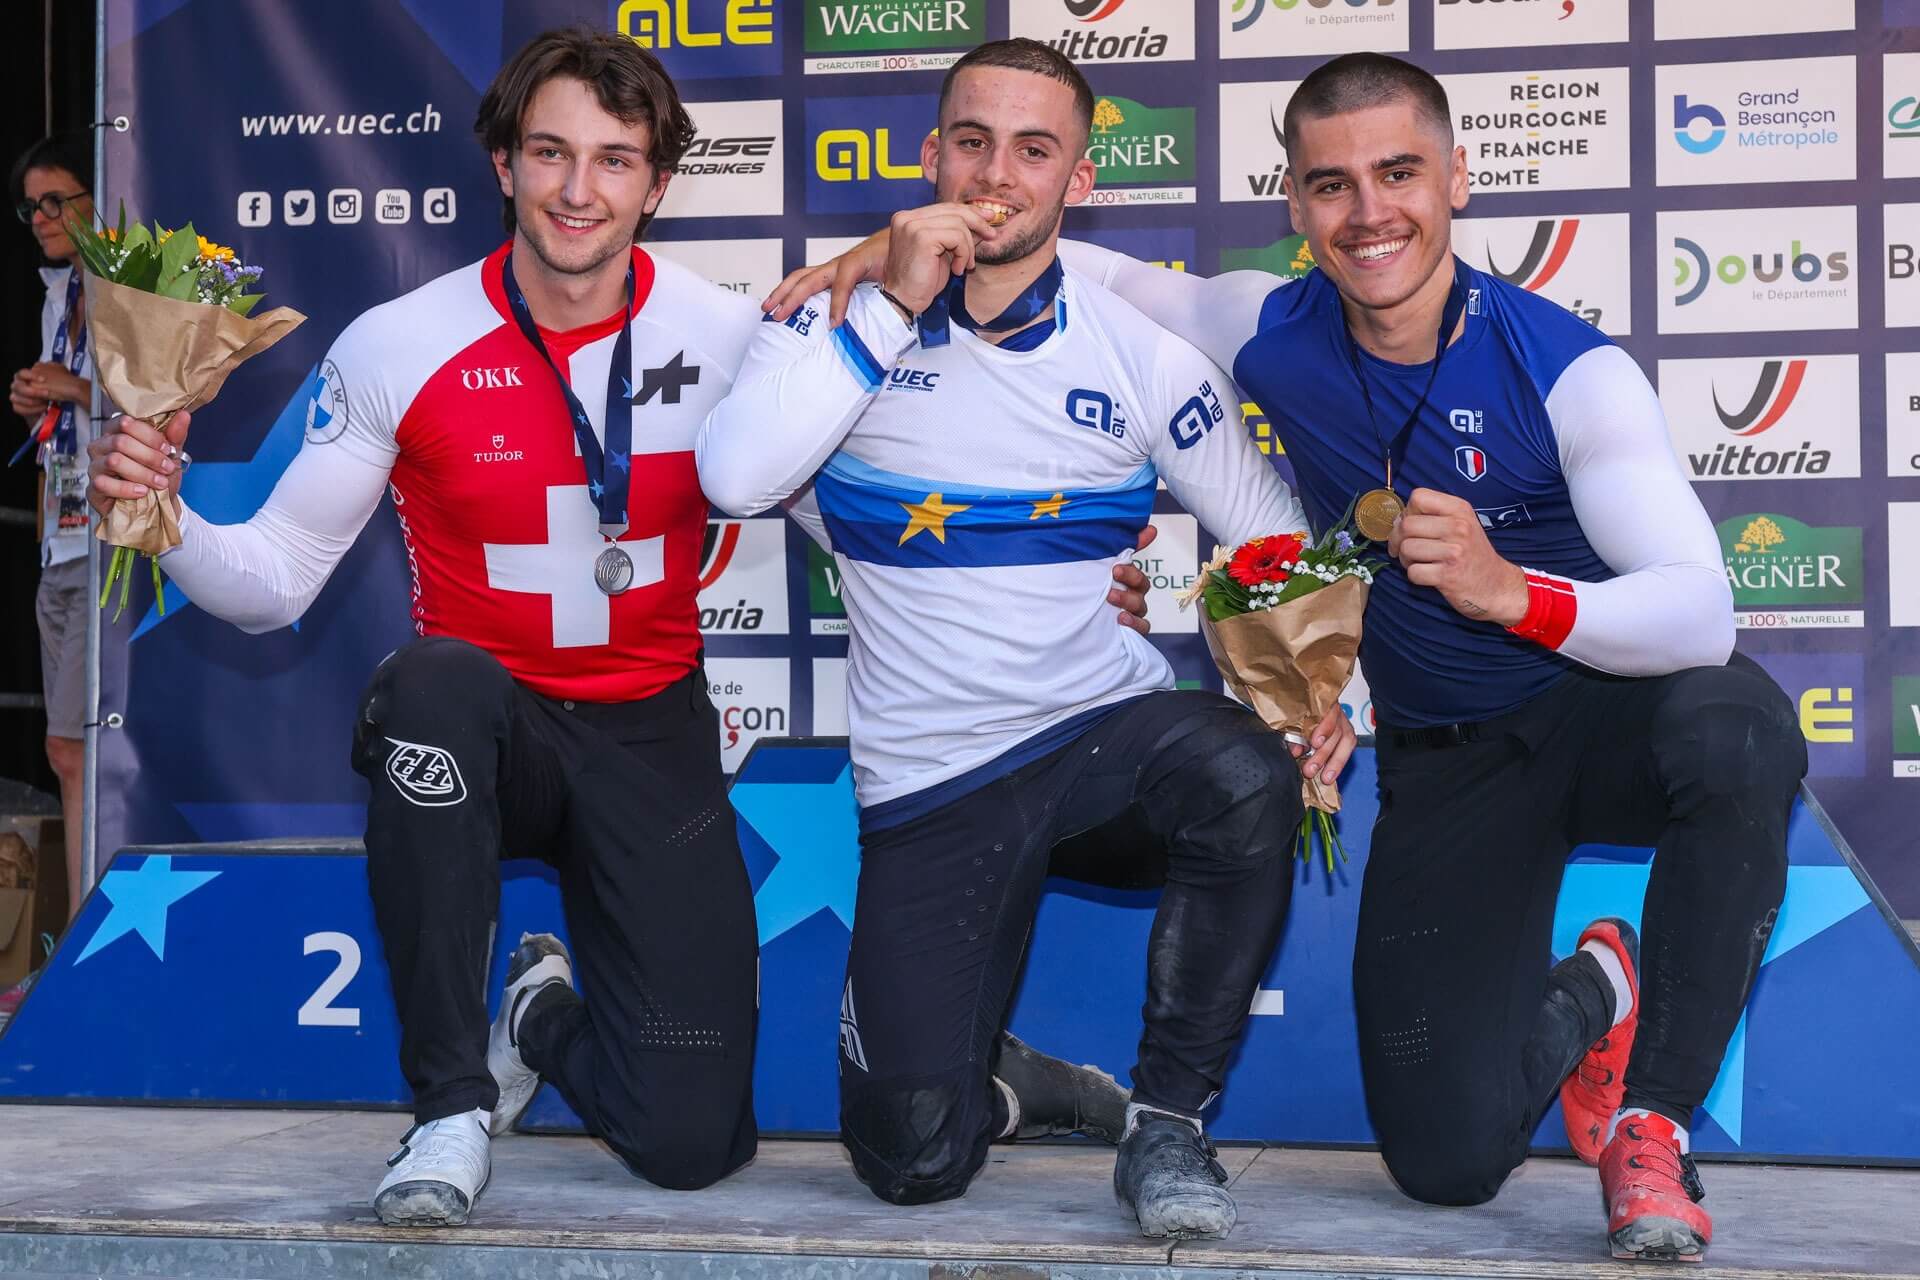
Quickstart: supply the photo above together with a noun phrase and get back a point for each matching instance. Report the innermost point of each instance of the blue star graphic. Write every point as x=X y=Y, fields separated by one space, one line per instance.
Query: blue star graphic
x=140 y=899
x=815 y=829
x=596 y=489
x=1817 y=899
x=626 y=387
x=230 y=492
x=619 y=461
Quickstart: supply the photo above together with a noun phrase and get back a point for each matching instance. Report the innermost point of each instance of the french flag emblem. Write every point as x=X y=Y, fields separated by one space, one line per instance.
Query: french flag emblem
x=1470 y=462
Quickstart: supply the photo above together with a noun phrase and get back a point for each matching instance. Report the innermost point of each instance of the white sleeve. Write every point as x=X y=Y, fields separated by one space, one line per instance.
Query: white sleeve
x=801 y=388
x=1670 y=607
x=1217 y=314
x=1200 y=446
x=262 y=575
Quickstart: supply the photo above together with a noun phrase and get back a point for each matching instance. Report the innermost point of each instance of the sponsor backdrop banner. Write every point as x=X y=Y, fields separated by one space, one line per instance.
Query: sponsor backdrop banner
x=1724 y=186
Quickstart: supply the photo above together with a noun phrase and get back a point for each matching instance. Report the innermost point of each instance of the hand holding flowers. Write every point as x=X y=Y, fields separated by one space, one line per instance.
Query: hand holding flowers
x=169 y=315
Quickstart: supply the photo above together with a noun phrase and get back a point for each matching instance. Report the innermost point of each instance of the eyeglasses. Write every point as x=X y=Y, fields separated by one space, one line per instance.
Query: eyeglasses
x=54 y=207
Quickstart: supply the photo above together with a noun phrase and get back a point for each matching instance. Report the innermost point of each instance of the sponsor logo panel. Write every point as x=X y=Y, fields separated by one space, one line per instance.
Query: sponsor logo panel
x=1752 y=270
x=890 y=35
x=1499 y=24
x=1906 y=726
x=1253 y=151
x=1717 y=122
x=1090 y=31
x=1145 y=154
x=1901 y=227
x=1900 y=115
x=821 y=249
x=735 y=165
x=1357 y=701
x=1542 y=130
x=1827 y=690
x=1171 y=564
x=743 y=578
x=1295 y=28
x=1289 y=257
x=696 y=39
x=1574 y=260
x=863 y=154
x=830 y=697
x=751 y=267
x=1903 y=414
x=345 y=206
x=1788 y=574
x=824 y=603
x=1707 y=19
x=1759 y=417
x=1903 y=564
x=754 y=697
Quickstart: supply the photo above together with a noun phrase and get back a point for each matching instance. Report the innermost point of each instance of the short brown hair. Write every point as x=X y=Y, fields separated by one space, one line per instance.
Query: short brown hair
x=1356 y=81
x=1022 y=54
x=628 y=81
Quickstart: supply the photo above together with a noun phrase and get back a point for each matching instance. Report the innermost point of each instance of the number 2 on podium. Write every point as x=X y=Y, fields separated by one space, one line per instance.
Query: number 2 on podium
x=319 y=1010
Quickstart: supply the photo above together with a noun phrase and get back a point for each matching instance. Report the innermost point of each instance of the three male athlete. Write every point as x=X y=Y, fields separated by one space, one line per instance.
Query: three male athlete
x=977 y=444
x=1548 y=657
x=555 y=706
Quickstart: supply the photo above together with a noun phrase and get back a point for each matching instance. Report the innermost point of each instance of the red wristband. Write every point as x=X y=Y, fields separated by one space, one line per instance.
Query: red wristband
x=1551 y=606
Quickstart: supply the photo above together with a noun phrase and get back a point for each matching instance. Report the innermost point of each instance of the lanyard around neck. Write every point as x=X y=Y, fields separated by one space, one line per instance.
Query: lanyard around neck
x=1394 y=451
x=608 y=470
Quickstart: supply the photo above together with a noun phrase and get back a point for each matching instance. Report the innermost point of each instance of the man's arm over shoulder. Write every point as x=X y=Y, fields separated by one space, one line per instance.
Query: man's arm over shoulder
x=1200 y=446
x=801 y=388
x=263 y=574
x=1670 y=607
x=1217 y=314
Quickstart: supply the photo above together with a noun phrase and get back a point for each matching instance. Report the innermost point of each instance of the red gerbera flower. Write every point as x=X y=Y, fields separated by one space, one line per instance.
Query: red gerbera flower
x=1264 y=560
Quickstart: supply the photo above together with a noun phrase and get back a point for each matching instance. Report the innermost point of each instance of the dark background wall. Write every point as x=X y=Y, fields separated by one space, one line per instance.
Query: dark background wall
x=46 y=85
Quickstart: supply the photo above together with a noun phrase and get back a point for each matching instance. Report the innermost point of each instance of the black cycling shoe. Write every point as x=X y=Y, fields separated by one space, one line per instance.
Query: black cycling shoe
x=1056 y=1098
x=1167 y=1176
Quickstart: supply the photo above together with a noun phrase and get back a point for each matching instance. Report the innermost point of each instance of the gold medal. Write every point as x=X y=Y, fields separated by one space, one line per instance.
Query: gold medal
x=1375 y=512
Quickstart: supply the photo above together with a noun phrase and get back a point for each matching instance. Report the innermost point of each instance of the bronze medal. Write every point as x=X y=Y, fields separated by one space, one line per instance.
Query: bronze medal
x=1375 y=512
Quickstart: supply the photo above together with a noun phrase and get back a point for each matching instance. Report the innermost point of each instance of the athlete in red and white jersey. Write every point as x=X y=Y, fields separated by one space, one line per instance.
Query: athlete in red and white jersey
x=439 y=396
x=554 y=705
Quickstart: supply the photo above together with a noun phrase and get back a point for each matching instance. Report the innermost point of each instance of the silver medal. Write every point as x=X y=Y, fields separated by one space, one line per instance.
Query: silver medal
x=613 y=571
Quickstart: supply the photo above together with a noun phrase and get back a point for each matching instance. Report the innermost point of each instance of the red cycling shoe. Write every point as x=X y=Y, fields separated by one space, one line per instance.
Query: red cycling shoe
x=1593 y=1093
x=1652 y=1191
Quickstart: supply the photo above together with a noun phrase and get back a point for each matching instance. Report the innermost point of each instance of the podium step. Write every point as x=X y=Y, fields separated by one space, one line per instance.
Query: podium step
x=206 y=1195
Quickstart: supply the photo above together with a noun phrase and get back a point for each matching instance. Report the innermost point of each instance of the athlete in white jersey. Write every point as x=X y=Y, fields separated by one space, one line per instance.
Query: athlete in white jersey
x=976 y=480
x=1549 y=658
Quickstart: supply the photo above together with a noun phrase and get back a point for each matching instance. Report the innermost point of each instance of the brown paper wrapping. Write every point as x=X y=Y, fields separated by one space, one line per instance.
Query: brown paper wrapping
x=155 y=356
x=1291 y=663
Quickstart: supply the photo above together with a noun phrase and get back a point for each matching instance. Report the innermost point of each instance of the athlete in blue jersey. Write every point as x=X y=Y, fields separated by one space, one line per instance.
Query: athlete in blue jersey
x=1550 y=662
x=978 y=445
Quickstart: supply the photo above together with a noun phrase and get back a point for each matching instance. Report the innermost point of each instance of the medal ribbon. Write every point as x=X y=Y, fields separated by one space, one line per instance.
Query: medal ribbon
x=1394 y=451
x=58 y=425
x=610 y=471
x=950 y=304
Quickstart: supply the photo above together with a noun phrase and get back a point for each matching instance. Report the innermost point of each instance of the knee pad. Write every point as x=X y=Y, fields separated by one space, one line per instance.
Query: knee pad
x=916 y=1141
x=1730 y=732
x=1232 y=784
x=1457 y=1178
x=433 y=688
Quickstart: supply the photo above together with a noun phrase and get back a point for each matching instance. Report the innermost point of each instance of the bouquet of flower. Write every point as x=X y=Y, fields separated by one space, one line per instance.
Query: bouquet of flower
x=170 y=317
x=1282 y=619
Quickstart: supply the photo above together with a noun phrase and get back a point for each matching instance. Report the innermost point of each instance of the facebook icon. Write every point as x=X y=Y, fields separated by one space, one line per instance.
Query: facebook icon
x=255 y=209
